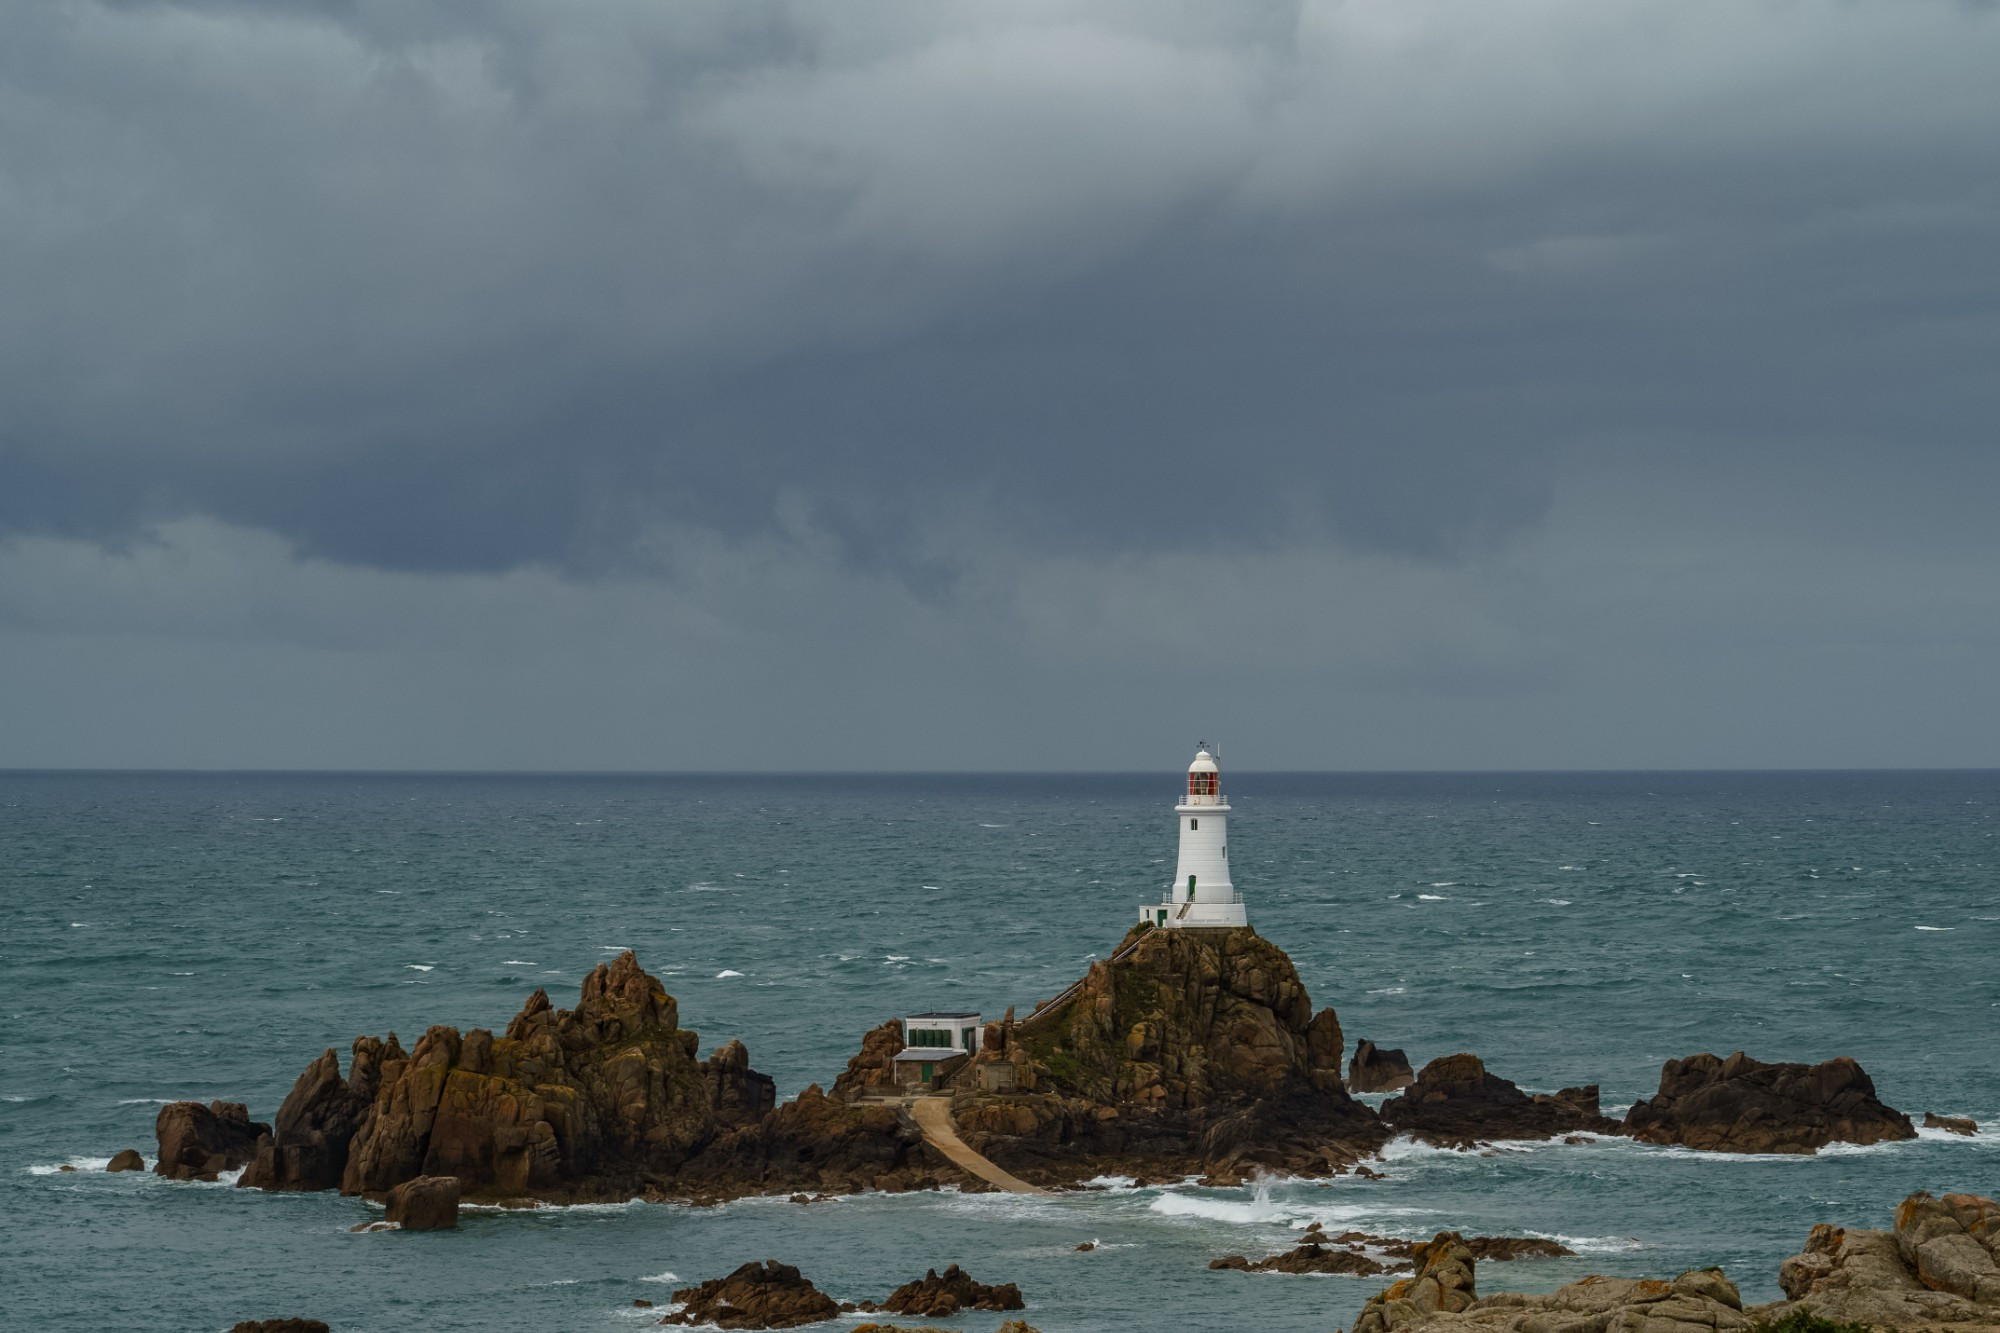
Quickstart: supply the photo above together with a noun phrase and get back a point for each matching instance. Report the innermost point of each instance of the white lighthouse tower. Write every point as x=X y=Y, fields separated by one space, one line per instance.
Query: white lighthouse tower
x=1201 y=894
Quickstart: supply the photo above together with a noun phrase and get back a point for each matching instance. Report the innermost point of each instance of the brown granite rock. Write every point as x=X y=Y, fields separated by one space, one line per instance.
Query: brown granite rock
x=427 y=1203
x=307 y=1148
x=1954 y=1124
x=940 y=1295
x=201 y=1142
x=766 y=1295
x=1188 y=1051
x=875 y=1066
x=1358 y=1253
x=1745 y=1105
x=738 y=1094
x=1939 y=1267
x=128 y=1160
x=1375 y=1069
x=1443 y=1283
x=1455 y=1102
x=814 y=1143
x=280 y=1326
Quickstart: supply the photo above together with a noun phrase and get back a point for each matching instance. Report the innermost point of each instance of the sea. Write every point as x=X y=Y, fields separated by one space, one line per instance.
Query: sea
x=206 y=935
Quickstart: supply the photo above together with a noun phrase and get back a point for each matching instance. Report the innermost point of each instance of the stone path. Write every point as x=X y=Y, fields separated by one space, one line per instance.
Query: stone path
x=933 y=1117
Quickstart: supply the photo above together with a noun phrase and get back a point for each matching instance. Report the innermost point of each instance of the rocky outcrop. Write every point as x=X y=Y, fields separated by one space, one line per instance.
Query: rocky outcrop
x=1192 y=1051
x=1938 y=1267
x=428 y=1203
x=738 y=1094
x=1374 y=1069
x=939 y=1296
x=1744 y=1105
x=814 y=1143
x=128 y=1160
x=1441 y=1299
x=766 y=1295
x=606 y=1101
x=1358 y=1253
x=307 y=1148
x=1455 y=1102
x=280 y=1326
x=875 y=1066
x=1443 y=1284
x=201 y=1142
x=1951 y=1124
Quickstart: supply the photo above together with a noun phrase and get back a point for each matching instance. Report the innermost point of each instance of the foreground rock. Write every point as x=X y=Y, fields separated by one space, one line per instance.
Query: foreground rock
x=1938 y=1267
x=1745 y=1105
x=1456 y=1103
x=1196 y=1051
x=606 y=1101
x=939 y=1296
x=428 y=1203
x=201 y=1142
x=766 y=1295
x=1953 y=1124
x=1442 y=1298
x=128 y=1160
x=1374 y=1069
x=1360 y=1254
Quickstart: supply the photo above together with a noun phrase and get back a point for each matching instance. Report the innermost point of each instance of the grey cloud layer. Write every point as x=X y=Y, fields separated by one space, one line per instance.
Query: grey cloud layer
x=432 y=287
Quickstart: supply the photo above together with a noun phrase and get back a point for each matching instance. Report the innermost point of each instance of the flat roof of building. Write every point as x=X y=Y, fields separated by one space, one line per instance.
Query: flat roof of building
x=932 y=1054
x=920 y=1018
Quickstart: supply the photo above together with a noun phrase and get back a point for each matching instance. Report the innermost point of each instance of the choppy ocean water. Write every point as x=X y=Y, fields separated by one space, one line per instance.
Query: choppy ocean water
x=206 y=935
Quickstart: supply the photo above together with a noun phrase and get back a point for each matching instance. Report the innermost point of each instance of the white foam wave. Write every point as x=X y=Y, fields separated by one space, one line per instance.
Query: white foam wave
x=1593 y=1244
x=420 y=967
x=996 y=826
x=1554 y=902
x=662 y=1277
x=1432 y=898
x=73 y=1163
x=1938 y=928
x=15 y=1097
x=147 y=1101
x=1113 y=1182
x=1389 y=990
x=727 y=972
x=517 y=962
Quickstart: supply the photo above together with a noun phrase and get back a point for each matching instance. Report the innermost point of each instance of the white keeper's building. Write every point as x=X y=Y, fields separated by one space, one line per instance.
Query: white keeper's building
x=1201 y=894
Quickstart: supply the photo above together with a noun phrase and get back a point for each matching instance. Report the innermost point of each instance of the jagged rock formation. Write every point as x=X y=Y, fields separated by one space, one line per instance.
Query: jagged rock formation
x=1360 y=1254
x=604 y=1101
x=1939 y=1267
x=127 y=1160
x=318 y=1119
x=1197 y=1050
x=1951 y=1124
x=1374 y=1069
x=1443 y=1284
x=1744 y=1105
x=201 y=1142
x=428 y=1203
x=875 y=1066
x=1442 y=1298
x=766 y=1295
x=939 y=1296
x=1456 y=1103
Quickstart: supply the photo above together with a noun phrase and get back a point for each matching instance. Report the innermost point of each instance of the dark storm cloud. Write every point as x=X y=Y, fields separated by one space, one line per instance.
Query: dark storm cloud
x=436 y=286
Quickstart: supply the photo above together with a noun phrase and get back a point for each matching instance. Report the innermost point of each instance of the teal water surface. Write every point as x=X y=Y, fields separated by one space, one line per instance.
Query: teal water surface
x=206 y=935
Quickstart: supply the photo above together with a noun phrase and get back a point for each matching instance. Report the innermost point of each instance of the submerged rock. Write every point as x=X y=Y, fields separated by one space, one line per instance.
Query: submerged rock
x=201 y=1142
x=280 y=1326
x=128 y=1160
x=1953 y=1124
x=766 y=1295
x=1374 y=1069
x=1196 y=1051
x=939 y=1296
x=428 y=1203
x=1358 y=1253
x=1939 y=1266
x=1455 y=1102
x=1745 y=1105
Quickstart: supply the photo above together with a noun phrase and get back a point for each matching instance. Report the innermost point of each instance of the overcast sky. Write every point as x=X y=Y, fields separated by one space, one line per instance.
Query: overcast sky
x=666 y=384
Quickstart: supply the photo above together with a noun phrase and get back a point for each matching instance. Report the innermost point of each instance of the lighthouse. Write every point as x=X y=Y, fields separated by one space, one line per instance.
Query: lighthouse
x=1201 y=894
